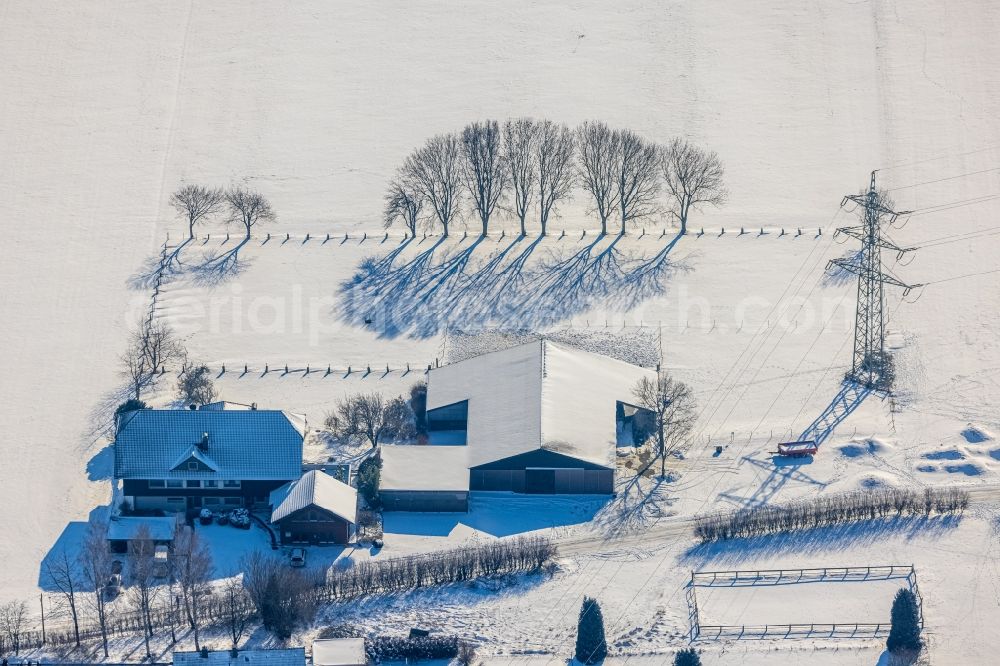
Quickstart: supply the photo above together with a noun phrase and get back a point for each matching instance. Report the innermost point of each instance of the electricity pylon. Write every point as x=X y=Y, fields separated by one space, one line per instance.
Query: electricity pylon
x=871 y=366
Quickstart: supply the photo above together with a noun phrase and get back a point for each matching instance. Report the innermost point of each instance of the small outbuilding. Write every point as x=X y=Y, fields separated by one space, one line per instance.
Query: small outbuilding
x=339 y=652
x=122 y=530
x=315 y=509
x=425 y=478
x=280 y=657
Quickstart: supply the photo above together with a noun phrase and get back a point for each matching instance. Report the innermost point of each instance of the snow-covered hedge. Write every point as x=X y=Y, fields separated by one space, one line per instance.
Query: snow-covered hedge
x=831 y=510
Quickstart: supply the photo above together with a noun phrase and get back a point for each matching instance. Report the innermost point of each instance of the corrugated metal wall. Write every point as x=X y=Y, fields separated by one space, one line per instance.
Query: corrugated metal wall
x=425 y=500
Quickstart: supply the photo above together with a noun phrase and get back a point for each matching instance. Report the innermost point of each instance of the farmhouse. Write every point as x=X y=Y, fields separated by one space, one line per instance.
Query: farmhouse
x=540 y=418
x=174 y=460
x=315 y=509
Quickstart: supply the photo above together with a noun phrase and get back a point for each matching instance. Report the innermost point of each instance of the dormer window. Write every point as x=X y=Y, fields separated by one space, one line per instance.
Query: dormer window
x=193 y=465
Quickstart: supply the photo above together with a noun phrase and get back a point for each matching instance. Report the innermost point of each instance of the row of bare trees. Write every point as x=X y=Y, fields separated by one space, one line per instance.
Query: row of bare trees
x=235 y=205
x=831 y=510
x=186 y=602
x=269 y=590
x=525 y=166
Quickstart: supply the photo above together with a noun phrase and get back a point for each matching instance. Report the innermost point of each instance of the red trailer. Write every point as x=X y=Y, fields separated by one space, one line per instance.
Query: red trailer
x=798 y=449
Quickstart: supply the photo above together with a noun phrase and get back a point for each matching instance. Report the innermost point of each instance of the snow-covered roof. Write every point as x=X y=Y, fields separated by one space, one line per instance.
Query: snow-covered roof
x=195 y=453
x=126 y=528
x=242 y=444
x=538 y=395
x=339 y=652
x=407 y=467
x=283 y=657
x=318 y=489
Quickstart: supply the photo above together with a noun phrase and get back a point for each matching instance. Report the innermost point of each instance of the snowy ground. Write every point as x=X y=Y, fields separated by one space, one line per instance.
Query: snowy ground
x=111 y=106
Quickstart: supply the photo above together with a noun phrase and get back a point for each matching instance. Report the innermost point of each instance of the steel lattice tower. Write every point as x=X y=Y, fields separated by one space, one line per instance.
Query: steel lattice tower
x=869 y=364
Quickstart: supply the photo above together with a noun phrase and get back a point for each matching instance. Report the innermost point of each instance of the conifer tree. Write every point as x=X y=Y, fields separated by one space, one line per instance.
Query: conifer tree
x=687 y=657
x=591 y=646
x=904 y=635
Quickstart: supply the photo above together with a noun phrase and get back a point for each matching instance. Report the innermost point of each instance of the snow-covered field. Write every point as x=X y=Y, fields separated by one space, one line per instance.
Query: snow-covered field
x=108 y=106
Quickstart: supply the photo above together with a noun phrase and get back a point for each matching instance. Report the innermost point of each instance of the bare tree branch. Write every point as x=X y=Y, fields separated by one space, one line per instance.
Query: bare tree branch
x=435 y=170
x=143 y=590
x=597 y=146
x=248 y=208
x=95 y=562
x=371 y=418
x=636 y=176
x=554 y=156
x=693 y=177
x=485 y=169
x=403 y=202
x=61 y=571
x=520 y=138
x=195 y=203
x=192 y=568
x=673 y=407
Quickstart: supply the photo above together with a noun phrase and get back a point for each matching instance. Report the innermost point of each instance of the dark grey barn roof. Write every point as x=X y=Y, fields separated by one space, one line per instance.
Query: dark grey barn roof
x=243 y=444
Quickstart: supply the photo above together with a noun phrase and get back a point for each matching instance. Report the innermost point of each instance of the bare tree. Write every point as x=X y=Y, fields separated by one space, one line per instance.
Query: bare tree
x=520 y=138
x=636 y=176
x=138 y=374
x=195 y=203
x=485 y=169
x=192 y=568
x=143 y=590
x=236 y=610
x=370 y=417
x=284 y=597
x=95 y=563
x=403 y=202
x=194 y=384
x=597 y=146
x=62 y=572
x=158 y=346
x=13 y=622
x=554 y=156
x=249 y=208
x=436 y=172
x=694 y=176
x=672 y=405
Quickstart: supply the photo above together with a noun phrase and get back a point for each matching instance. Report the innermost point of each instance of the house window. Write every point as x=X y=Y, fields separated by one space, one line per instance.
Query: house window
x=175 y=500
x=211 y=501
x=175 y=483
x=193 y=483
x=233 y=501
x=230 y=484
x=193 y=465
x=156 y=483
x=211 y=483
x=313 y=517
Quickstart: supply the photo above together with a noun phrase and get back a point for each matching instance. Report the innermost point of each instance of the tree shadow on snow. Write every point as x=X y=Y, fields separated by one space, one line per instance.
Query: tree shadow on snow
x=433 y=291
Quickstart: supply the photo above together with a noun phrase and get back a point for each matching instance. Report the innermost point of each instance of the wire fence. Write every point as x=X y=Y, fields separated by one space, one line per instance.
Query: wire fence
x=772 y=577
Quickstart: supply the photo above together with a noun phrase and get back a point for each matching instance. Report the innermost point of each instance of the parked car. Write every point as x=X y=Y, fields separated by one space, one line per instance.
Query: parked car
x=116 y=567
x=114 y=586
x=240 y=518
x=297 y=557
x=161 y=562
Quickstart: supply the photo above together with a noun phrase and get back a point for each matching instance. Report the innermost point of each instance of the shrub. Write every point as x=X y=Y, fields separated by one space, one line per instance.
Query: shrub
x=397 y=648
x=369 y=478
x=591 y=645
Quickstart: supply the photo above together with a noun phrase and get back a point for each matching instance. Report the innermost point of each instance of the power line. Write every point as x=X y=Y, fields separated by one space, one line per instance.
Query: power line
x=899 y=165
x=941 y=180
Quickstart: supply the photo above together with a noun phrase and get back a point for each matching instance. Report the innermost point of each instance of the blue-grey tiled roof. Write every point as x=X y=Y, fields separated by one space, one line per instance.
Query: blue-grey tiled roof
x=244 y=444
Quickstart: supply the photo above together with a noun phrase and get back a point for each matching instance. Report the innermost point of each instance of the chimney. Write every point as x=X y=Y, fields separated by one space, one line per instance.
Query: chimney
x=203 y=444
x=204 y=653
x=253 y=406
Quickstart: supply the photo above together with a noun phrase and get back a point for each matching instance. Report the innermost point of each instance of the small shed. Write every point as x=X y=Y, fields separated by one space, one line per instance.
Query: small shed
x=339 y=652
x=124 y=529
x=315 y=509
